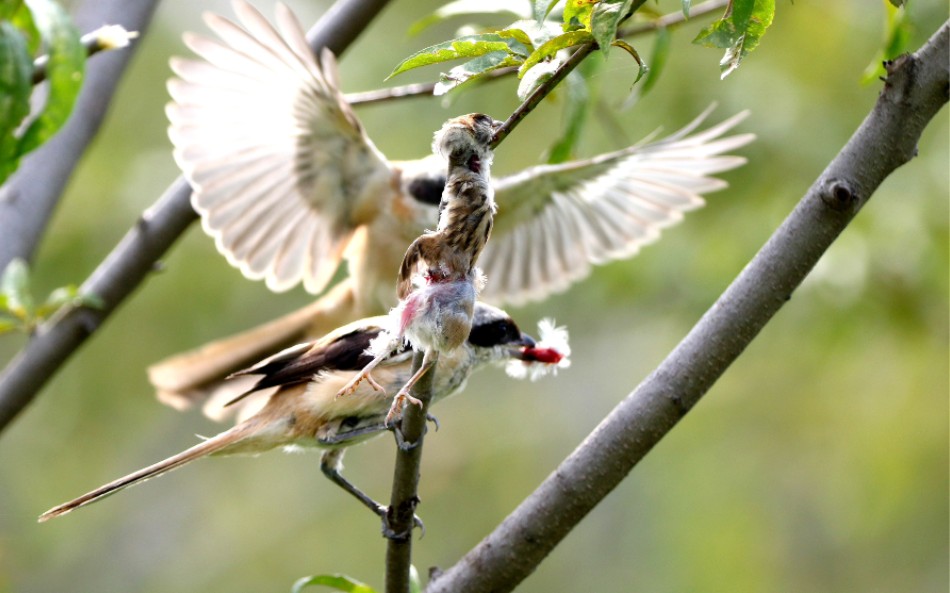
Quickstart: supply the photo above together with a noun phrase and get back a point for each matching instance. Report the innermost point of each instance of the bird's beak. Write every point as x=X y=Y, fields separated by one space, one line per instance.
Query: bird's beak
x=496 y=125
x=522 y=346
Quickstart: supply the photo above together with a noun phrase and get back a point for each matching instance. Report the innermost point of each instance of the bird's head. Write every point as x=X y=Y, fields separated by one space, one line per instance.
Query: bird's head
x=496 y=337
x=466 y=140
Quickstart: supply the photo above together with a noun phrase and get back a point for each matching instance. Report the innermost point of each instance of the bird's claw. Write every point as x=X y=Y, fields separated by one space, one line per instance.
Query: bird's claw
x=355 y=382
x=399 y=402
x=401 y=439
x=401 y=536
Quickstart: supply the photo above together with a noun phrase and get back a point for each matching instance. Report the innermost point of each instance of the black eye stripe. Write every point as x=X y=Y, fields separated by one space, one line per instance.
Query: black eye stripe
x=494 y=333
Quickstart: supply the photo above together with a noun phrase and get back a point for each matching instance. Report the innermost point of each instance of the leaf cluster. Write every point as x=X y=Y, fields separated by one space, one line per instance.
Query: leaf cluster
x=533 y=44
x=28 y=29
x=19 y=309
x=738 y=31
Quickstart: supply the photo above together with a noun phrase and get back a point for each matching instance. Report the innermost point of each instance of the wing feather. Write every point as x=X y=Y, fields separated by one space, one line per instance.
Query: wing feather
x=555 y=221
x=277 y=159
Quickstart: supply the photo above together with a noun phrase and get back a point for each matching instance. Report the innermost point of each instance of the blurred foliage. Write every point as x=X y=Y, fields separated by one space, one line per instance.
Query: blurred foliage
x=897 y=32
x=738 y=32
x=19 y=309
x=818 y=462
x=28 y=27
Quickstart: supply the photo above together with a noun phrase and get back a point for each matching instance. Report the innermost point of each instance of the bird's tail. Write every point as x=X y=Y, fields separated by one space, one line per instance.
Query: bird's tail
x=212 y=445
x=191 y=377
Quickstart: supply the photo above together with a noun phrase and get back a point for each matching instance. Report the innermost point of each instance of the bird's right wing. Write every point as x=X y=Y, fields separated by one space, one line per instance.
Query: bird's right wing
x=281 y=167
x=555 y=221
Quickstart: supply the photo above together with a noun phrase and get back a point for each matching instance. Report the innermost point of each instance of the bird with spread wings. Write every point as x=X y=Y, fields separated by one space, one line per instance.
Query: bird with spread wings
x=290 y=186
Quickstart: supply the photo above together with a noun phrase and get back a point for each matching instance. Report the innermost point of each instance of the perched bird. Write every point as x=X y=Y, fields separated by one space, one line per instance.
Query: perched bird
x=290 y=186
x=438 y=280
x=297 y=391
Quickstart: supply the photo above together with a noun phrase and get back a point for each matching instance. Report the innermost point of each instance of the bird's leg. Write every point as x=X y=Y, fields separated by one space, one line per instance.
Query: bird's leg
x=428 y=361
x=364 y=375
x=330 y=465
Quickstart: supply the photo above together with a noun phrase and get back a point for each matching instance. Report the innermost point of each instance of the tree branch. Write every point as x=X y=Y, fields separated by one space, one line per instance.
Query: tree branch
x=31 y=194
x=400 y=517
x=541 y=92
x=915 y=90
x=131 y=261
x=668 y=21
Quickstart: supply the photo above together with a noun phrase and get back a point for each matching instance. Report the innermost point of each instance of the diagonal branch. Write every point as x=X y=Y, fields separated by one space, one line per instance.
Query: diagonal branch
x=29 y=197
x=915 y=90
x=132 y=260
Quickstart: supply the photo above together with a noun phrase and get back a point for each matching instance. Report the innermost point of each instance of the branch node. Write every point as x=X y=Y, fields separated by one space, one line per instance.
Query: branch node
x=838 y=195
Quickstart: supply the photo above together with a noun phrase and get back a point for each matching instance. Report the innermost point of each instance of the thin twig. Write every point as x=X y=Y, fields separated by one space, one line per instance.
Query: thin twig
x=104 y=38
x=542 y=91
x=673 y=19
x=915 y=90
x=400 y=517
x=669 y=21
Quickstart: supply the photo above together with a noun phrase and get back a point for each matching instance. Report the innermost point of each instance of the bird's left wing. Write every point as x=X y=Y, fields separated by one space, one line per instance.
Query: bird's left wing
x=281 y=167
x=555 y=221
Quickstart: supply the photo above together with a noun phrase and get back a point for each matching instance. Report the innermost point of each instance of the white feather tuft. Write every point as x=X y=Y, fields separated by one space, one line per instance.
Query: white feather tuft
x=553 y=338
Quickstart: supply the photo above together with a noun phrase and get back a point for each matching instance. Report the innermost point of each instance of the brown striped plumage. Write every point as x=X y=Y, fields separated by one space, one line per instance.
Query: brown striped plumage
x=467 y=207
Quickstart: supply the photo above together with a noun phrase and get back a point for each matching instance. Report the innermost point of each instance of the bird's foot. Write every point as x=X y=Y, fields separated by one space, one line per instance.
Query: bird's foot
x=399 y=402
x=355 y=382
x=404 y=535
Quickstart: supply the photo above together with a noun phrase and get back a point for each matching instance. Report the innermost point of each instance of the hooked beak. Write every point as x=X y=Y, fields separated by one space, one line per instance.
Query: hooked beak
x=524 y=344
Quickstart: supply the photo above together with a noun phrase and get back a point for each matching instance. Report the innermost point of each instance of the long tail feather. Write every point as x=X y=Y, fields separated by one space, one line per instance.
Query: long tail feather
x=212 y=445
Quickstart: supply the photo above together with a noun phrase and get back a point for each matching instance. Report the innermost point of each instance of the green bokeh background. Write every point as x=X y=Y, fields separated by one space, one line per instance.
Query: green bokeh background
x=819 y=462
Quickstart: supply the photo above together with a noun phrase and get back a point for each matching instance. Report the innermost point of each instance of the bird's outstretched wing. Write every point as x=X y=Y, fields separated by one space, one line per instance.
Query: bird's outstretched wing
x=281 y=168
x=555 y=221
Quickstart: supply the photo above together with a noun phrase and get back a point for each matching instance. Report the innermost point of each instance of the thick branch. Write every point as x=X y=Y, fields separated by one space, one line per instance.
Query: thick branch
x=131 y=261
x=29 y=197
x=915 y=90
x=400 y=517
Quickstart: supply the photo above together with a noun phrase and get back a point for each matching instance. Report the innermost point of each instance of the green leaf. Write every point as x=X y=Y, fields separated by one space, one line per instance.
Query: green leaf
x=536 y=76
x=551 y=47
x=64 y=295
x=541 y=8
x=463 y=8
x=334 y=581
x=606 y=18
x=577 y=14
x=537 y=34
x=415 y=584
x=738 y=31
x=636 y=56
x=518 y=35
x=16 y=84
x=8 y=325
x=15 y=286
x=470 y=46
x=90 y=300
x=64 y=71
x=661 y=51
x=686 y=4
x=473 y=70
x=897 y=32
